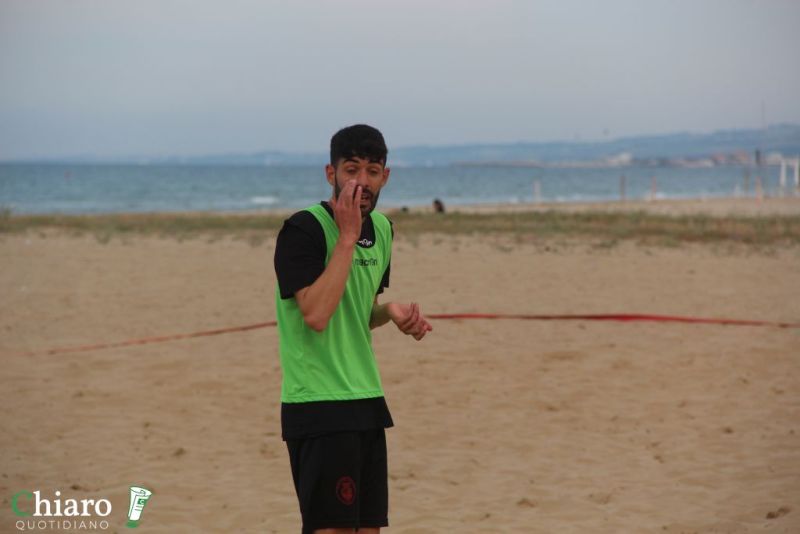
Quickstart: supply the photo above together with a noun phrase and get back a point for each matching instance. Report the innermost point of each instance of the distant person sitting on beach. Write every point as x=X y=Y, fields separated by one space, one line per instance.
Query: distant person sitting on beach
x=332 y=262
x=438 y=206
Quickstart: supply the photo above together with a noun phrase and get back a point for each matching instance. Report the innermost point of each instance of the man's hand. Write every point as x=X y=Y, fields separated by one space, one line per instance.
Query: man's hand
x=318 y=301
x=347 y=212
x=409 y=319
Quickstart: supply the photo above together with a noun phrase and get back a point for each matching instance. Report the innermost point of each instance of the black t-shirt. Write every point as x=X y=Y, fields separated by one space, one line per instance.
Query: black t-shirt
x=300 y=254
x=301 y=251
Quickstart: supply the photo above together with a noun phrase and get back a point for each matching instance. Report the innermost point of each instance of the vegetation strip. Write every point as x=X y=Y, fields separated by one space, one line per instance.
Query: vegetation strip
x=638 y=225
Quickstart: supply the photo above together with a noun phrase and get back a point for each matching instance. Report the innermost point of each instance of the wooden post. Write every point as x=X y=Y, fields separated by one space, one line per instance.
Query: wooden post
x=797 y=175
x=759 y=188
x=783 y=177
x=747 y=181
x=759 y=171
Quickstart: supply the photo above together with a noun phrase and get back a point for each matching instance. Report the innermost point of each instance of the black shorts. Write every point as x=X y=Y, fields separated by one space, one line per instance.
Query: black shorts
x=341 y=479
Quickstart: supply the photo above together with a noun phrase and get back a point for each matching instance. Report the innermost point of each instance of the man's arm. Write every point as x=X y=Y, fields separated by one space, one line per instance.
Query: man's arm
x=407 y=317
x=379 y=316
x=318 y=301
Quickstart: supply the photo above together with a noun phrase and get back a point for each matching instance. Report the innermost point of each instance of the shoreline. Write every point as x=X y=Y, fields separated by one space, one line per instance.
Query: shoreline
x=711 y=206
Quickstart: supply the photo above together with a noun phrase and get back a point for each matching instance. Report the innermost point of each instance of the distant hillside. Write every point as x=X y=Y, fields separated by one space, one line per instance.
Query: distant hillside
x=782 y=138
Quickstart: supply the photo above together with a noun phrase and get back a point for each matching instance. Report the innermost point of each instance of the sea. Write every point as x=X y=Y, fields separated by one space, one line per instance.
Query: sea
x=94 y=189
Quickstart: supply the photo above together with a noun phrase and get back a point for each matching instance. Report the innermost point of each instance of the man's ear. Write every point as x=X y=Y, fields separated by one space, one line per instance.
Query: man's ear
x=386 y=172
x=330 y=173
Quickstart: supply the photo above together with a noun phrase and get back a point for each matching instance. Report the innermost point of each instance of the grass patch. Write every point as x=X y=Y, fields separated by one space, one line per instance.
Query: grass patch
x=612 y=227
x=175 y=225
x=608 y=228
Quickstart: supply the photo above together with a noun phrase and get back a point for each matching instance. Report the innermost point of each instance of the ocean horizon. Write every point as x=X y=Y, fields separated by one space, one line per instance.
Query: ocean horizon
x=112 y=188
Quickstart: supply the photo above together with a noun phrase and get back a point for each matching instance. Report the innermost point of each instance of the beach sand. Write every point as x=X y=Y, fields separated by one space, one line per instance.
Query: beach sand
x=742 y=206
x=501 y=426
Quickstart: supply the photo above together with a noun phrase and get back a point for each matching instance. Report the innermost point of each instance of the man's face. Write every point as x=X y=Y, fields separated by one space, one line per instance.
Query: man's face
x=370 y=175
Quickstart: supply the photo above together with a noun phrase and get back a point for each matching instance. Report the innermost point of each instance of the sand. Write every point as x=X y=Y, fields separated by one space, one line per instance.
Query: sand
x=502 y=426
x=727 y=206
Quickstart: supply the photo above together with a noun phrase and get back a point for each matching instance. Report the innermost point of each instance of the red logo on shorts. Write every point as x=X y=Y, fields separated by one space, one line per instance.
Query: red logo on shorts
x=346 y=490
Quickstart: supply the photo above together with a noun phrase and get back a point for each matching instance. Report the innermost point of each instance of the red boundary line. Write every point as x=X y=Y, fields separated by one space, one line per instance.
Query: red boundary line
x=158 y=339
x=613 y=317
x=624 y=317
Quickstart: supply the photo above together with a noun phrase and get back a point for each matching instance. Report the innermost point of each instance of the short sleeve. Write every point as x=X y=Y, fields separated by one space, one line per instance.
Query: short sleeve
x=385 y=279
x=299 y=253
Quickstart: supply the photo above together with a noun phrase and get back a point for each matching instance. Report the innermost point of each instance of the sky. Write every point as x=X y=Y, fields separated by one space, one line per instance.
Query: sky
x=114 y=78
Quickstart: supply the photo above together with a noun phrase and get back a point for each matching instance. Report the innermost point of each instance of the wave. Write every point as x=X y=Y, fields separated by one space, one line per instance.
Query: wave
x=267 y=200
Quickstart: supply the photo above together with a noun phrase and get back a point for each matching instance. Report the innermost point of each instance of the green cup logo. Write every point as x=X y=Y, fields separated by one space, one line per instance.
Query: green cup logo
x=139 y=498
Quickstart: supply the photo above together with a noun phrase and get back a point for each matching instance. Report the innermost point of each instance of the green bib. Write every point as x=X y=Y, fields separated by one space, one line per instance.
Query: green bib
x=337 y=363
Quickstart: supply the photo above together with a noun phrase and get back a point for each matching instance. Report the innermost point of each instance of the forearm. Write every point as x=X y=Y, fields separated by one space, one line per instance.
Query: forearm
x=379 y=316
x=318 y=301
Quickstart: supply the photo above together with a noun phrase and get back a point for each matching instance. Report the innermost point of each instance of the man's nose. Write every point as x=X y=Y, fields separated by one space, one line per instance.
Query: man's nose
x=362 y=178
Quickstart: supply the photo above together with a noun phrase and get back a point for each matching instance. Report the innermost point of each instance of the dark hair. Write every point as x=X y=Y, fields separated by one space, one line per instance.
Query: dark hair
x=358 y=141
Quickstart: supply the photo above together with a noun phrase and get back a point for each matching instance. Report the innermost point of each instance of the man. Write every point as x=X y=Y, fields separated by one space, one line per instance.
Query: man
x=332 y=260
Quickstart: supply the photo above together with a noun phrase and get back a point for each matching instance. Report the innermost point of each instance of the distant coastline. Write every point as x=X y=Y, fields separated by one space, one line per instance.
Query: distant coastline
x=725 y=147
x=109 y=188
x=622 y=162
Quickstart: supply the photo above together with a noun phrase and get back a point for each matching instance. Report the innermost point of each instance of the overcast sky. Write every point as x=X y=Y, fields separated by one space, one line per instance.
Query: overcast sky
x=167 y=77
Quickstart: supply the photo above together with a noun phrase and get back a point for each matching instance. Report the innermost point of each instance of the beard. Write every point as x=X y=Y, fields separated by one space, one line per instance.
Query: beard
x=370 y=198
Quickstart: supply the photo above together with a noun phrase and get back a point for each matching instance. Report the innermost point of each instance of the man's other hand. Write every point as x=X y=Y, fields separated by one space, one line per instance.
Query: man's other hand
x=409 y=319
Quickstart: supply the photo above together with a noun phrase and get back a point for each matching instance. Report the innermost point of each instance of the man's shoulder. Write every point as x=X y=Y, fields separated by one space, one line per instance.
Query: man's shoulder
x=305 y=220
x=301 y=218
x=301 y=227
x=382 y=221
x=381 y=218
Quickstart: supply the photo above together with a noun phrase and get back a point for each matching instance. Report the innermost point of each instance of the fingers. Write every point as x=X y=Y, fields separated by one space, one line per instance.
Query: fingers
x=402 y=322
x=411 y=318
x=347 y=210
x=356 y=207
x=348 y=195
x=422 y=328
x=415 y=324
x=411 y=321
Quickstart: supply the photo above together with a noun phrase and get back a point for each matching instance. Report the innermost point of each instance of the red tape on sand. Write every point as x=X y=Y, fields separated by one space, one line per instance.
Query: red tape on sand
x=613 y=317
x=624 y=317
x=159 y=339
